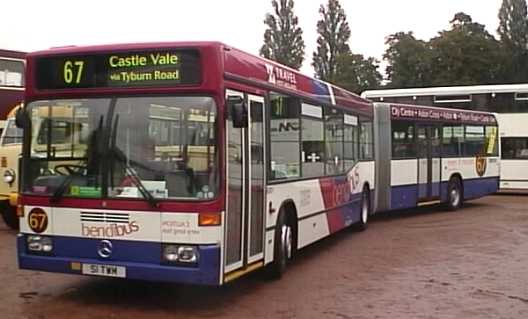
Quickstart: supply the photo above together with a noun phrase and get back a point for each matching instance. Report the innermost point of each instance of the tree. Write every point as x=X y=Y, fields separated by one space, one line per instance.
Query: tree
x=409 y=61
x=465 y=55
x=357 y=74
x=513 y=32
x=283 y=40
x=334 y=33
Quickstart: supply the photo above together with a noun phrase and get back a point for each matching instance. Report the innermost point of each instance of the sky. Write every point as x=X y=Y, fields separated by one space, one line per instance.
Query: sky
x=37 y=25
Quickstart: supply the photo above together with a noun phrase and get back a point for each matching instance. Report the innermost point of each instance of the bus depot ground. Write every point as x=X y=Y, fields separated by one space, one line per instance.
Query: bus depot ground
x=420 y=263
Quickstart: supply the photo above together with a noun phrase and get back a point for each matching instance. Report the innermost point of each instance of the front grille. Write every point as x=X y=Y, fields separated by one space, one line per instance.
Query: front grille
x=97 y=217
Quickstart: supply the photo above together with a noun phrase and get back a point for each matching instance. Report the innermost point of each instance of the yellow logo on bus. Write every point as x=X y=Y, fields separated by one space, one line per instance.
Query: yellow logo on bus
x=480 y=165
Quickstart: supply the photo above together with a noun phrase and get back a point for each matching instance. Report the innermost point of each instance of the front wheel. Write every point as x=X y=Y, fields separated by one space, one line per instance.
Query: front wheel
x=283 y=246
x=454 y=194
x=9 y=215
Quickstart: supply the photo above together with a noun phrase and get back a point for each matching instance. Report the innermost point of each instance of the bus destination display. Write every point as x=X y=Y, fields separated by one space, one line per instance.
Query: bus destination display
x=131 y=69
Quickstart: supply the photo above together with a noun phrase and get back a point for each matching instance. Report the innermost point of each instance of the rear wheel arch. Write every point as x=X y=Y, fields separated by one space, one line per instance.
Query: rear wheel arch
x=288 y=207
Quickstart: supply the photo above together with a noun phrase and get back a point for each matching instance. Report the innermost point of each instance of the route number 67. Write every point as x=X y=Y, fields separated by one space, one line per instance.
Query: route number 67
x=72 y=71
x=38 y=220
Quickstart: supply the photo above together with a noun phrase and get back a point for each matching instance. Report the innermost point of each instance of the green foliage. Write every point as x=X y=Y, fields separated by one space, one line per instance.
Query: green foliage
x=465 y=55
x=357 y=74
x=334 y=33
x=409 y=61
x=513 y=32
x=283 y=40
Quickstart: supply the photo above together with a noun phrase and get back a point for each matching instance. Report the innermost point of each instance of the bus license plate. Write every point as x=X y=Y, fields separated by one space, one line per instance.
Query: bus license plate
x=104 y=270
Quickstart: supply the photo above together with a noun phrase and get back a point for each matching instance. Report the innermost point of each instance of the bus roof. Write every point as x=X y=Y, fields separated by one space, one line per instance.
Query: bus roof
x=236 y=65
x=447 y=90
x=12 y=54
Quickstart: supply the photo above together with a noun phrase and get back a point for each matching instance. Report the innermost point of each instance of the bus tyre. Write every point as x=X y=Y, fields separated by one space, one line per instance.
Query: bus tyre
x=454 y=194
x=9 y=215
x=365 y=210
x=283 y=246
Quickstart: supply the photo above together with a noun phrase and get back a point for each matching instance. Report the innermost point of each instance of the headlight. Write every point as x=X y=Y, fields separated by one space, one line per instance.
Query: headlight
x=9 y=176
x=182 y=254
x=39 y=244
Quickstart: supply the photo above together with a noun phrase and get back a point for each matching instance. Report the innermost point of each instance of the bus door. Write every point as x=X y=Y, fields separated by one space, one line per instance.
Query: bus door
x=244 y=238
x=429 y=162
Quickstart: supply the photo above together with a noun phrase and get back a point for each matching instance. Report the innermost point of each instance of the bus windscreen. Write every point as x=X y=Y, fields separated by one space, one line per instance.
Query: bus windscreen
x=120 y=69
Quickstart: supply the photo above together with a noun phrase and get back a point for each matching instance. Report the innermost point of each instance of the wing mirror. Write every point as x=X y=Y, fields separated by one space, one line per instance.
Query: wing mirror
x=22 y=118
x=237 y=109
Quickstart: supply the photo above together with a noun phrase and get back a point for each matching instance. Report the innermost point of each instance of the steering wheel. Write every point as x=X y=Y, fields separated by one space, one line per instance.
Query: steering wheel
x=69 y=169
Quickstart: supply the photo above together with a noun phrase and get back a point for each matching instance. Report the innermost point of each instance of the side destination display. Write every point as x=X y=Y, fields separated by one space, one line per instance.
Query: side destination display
x=130 y=69
x=399 y=111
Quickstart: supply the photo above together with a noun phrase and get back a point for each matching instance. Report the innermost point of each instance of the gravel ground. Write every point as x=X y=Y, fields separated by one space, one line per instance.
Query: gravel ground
x=422 y=263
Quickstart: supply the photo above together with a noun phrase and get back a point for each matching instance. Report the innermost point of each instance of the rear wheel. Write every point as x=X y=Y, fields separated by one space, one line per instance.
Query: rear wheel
x=9 y=215
x=365 y=210
x=283 y=246
x=454 y=194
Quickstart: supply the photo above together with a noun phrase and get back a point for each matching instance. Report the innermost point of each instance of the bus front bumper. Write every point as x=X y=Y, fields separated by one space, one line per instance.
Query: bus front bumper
x=206 y=272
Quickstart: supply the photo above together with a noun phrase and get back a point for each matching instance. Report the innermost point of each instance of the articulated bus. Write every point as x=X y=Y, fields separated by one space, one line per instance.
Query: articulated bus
x=12 y=64
x=198 y=163
x=510 y=101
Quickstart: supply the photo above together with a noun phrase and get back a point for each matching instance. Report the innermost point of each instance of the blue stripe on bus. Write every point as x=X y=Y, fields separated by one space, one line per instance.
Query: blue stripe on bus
x=474 y=188
x=406 y=196
x=141 y=259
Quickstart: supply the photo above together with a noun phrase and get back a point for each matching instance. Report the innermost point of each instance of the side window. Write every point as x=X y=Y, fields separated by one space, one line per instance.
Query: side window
x=366 y=140
x=452 y=139
x=313 y=144
x=284 y=136
x=403 y=140
x=474 y=140
x=11 y=73
x=351 y=141
x=514 y=148
x=334 y=141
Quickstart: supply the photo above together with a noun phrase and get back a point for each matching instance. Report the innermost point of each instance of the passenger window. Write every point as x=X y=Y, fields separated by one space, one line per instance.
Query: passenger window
x=366 y=140
x=452 y=139
x=351 y=141
x=474 y=141
x=313 y=152
x=334 y=141
x=403 y=140
x=284 y=137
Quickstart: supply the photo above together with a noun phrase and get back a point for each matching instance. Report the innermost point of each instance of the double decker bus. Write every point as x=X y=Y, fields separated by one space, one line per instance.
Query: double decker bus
x=198 y=163
x=12 y=64
x=509 y=101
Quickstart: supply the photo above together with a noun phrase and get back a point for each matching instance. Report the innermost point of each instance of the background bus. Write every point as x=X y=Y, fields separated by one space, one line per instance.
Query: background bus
x=12 y=64
x=11 y=81
x=509 y=101
x=10 y=151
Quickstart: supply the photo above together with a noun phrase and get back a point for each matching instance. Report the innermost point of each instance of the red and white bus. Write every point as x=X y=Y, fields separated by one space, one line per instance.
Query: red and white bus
x=12 y=65
x=197 y=163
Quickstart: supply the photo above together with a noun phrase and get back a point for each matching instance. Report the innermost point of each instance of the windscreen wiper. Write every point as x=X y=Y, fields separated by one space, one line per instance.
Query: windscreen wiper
x=136 y=180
